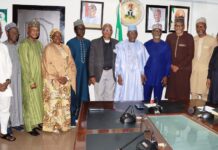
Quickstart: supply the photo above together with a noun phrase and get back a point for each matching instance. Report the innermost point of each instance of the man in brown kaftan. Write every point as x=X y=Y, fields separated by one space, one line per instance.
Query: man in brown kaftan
x=182 y=45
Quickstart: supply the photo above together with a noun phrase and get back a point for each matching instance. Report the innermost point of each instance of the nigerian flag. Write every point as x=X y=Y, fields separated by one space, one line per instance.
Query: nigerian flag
x=119 y=32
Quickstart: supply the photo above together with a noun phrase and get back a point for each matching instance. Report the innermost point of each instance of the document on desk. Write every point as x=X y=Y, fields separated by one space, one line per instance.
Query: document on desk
x=150 y=105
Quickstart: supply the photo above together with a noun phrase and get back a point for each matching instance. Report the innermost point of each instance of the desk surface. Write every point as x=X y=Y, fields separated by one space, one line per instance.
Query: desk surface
x=84 y=132
x=184 y=134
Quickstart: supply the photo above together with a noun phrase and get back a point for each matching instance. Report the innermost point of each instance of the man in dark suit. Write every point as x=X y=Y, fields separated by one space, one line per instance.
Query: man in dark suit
x=101 y=64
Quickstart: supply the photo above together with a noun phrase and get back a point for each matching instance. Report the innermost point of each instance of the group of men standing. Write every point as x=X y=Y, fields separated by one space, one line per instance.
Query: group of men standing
x=180 y=63
x=124 y=71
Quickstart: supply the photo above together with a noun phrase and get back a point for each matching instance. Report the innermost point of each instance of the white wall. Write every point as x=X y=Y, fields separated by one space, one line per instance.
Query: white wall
x=198 y=8
x=72 y=12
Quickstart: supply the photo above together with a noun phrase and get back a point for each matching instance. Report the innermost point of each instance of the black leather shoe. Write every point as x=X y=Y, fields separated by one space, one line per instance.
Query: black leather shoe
x=40 y=126
x=34 y=132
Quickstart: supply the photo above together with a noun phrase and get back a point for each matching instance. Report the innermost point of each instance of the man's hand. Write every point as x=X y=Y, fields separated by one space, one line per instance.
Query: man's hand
x=92 y=80
x=174 y=68
x=143 y=79
x=164 y=81
x=208 y=83
x=120 y=80
x=33 y=86
x=3 y=87
x=62 y=80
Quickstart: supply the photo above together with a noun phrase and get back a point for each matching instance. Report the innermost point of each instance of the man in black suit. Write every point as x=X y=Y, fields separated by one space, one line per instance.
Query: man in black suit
x=101 y=64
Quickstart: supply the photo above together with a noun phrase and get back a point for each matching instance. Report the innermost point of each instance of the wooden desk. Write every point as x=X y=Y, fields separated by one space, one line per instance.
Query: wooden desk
x=82 y=130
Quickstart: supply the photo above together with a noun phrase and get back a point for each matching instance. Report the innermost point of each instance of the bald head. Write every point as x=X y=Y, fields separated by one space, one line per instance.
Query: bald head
x=180 y=13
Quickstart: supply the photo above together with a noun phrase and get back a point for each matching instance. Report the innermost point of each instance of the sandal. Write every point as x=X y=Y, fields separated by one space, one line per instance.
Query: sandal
x=8 y=137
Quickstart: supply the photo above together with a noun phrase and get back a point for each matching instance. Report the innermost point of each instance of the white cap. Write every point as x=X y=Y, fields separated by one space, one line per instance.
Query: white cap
x=157 y=26
x=132 y=28
x=202 y=20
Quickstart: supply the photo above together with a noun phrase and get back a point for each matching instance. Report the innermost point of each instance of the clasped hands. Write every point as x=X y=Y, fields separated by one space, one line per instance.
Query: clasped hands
x=62 y=80
x=174 y=68
x=120 y=80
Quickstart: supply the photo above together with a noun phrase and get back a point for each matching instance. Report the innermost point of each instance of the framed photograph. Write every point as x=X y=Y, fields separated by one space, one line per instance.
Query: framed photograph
x=49 y=17
x=178 y=11
x=156 y=14
x=3 y=21
x=92 y=14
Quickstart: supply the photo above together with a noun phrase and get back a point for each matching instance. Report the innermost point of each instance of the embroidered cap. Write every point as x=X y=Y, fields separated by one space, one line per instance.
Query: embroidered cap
x=202 y=20
x=10 y=25
x=157 y=26
x=34 y=23
x=78 y=22
x=132 y=28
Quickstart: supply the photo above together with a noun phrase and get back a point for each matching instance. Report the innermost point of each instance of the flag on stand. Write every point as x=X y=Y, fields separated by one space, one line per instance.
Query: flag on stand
x=119 y=32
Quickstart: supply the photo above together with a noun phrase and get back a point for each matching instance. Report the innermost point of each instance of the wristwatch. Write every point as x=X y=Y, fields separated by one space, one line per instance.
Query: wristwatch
x=8 y=81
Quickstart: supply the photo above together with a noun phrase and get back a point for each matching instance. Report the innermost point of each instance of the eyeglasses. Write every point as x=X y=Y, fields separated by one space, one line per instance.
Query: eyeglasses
x=107 y=30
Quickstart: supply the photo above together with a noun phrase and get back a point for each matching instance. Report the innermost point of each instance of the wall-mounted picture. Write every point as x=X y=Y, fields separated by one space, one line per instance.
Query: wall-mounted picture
x=178 y=11
x=131 y=12
x=3 y=21
x=92 y=14
x=156 y=14
x=49 y=17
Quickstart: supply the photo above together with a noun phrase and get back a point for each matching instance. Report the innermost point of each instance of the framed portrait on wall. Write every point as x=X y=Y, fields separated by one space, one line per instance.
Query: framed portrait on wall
x=178 y=11
x=3 y=21
x=49 y=17
x=92 y=14
x=156 y=14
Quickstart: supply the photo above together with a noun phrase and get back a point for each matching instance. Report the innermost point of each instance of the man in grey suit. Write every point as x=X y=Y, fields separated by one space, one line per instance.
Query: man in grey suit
x=101 y=64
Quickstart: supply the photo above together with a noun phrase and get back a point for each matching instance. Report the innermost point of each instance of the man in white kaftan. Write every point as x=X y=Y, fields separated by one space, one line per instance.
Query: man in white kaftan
x=5 y=90
x=131 y=57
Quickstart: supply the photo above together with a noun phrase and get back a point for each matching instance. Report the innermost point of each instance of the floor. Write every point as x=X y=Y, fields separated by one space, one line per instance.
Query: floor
x=45 y=141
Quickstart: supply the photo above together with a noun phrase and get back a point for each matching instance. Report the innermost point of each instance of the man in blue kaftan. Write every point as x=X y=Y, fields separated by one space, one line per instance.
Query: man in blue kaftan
x=131 y=57
x=158 y=65
x=79 y=47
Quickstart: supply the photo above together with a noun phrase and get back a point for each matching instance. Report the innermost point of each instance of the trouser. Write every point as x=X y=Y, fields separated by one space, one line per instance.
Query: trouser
x=199 y=96
x=75 y=104
x=104 y=89
x=157 y=92
x=4 y=113
x=74 y=108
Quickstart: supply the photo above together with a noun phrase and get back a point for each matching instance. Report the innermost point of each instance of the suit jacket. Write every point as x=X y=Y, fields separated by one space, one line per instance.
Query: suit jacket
x=96 y=57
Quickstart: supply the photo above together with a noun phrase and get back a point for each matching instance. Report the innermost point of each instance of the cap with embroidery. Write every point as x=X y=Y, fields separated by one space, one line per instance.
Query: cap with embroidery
x=157 y=26
x=34 y=23
x=78 y=22
x=10 y=25
x=132 y=28
x=202 y=20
